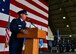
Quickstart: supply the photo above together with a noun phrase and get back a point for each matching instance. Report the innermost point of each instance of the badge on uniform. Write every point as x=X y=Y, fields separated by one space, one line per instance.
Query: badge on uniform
x=20 y=26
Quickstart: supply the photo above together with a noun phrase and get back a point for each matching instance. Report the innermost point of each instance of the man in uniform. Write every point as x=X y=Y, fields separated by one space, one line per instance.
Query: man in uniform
x=17 y=25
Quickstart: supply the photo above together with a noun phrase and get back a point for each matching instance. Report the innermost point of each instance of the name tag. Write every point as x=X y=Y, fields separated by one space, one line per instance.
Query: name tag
x=19 y=25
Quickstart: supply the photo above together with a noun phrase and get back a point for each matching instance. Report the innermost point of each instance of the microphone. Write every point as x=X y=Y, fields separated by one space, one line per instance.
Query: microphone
x=31 y=23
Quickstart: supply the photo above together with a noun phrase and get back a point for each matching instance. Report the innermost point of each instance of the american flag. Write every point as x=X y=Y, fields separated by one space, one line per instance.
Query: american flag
x=7 y=37
x=37 y=13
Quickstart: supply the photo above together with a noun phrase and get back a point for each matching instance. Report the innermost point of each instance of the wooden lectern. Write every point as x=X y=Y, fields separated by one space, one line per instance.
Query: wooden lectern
x=32 y=40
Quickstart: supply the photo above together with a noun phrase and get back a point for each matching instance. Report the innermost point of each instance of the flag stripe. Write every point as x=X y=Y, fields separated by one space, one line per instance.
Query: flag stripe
x=41 y=4
x=43 y=49
x=38 y=6
x=5 y=52
x=28 y=9
x=2 y=39
x=4 y=19
x=2 y=45
x=3 y=24
x=7 y=33
x=44 y=41
x=3 y=32
x=29 y=5
x=29 y=14
x=14 y=14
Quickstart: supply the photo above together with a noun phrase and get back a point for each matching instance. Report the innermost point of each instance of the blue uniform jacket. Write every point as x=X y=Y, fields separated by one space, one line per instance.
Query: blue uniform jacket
x=15 y=27
x=15 y=44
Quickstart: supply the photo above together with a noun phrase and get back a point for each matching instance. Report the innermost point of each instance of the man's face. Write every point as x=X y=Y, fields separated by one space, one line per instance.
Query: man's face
x=23 y=16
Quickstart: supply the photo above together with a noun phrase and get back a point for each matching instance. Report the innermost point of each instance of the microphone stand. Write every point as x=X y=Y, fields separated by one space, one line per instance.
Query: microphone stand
x=33 y=25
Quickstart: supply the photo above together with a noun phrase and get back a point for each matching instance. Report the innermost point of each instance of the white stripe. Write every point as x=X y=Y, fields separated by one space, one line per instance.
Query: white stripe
x=3 y=32
x=41 y=4
x=2 y=47
x=28 y=24
x=39 y=26
x=16 y=9
x=44 y=45
x=45 y=29
x=4 y=17
x=37 y=18
x=7 y=37
x=32 y=7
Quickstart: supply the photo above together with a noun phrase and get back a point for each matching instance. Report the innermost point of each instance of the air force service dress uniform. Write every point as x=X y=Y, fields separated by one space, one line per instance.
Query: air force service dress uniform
x=15 y=44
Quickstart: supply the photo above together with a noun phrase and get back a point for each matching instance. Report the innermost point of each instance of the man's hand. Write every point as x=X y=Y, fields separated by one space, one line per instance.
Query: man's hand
x=24 y=31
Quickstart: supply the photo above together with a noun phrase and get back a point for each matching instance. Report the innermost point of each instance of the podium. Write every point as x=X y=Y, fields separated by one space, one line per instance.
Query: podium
x=32 y=40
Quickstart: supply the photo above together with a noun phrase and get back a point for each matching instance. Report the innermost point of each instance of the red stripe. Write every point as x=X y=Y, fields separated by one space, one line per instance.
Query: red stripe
x=6 y=52
x=38 y=22
x=28 y=9
x=7 y=33
x=7 y=36
x=38 y=6
x=7 y=30
x=2 y=39
x=43 y=49
x=44 y=2
x=14 y=14
x=45 y=41
x=3 y=24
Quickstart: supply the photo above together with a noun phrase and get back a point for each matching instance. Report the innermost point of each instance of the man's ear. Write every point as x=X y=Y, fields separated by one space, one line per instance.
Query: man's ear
x=20 y=14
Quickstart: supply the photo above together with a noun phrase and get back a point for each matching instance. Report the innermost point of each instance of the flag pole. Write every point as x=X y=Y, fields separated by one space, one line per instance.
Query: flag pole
x=7 y=34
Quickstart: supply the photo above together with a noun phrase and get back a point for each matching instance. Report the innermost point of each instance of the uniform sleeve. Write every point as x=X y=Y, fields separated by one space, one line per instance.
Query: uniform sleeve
x=13 y=26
